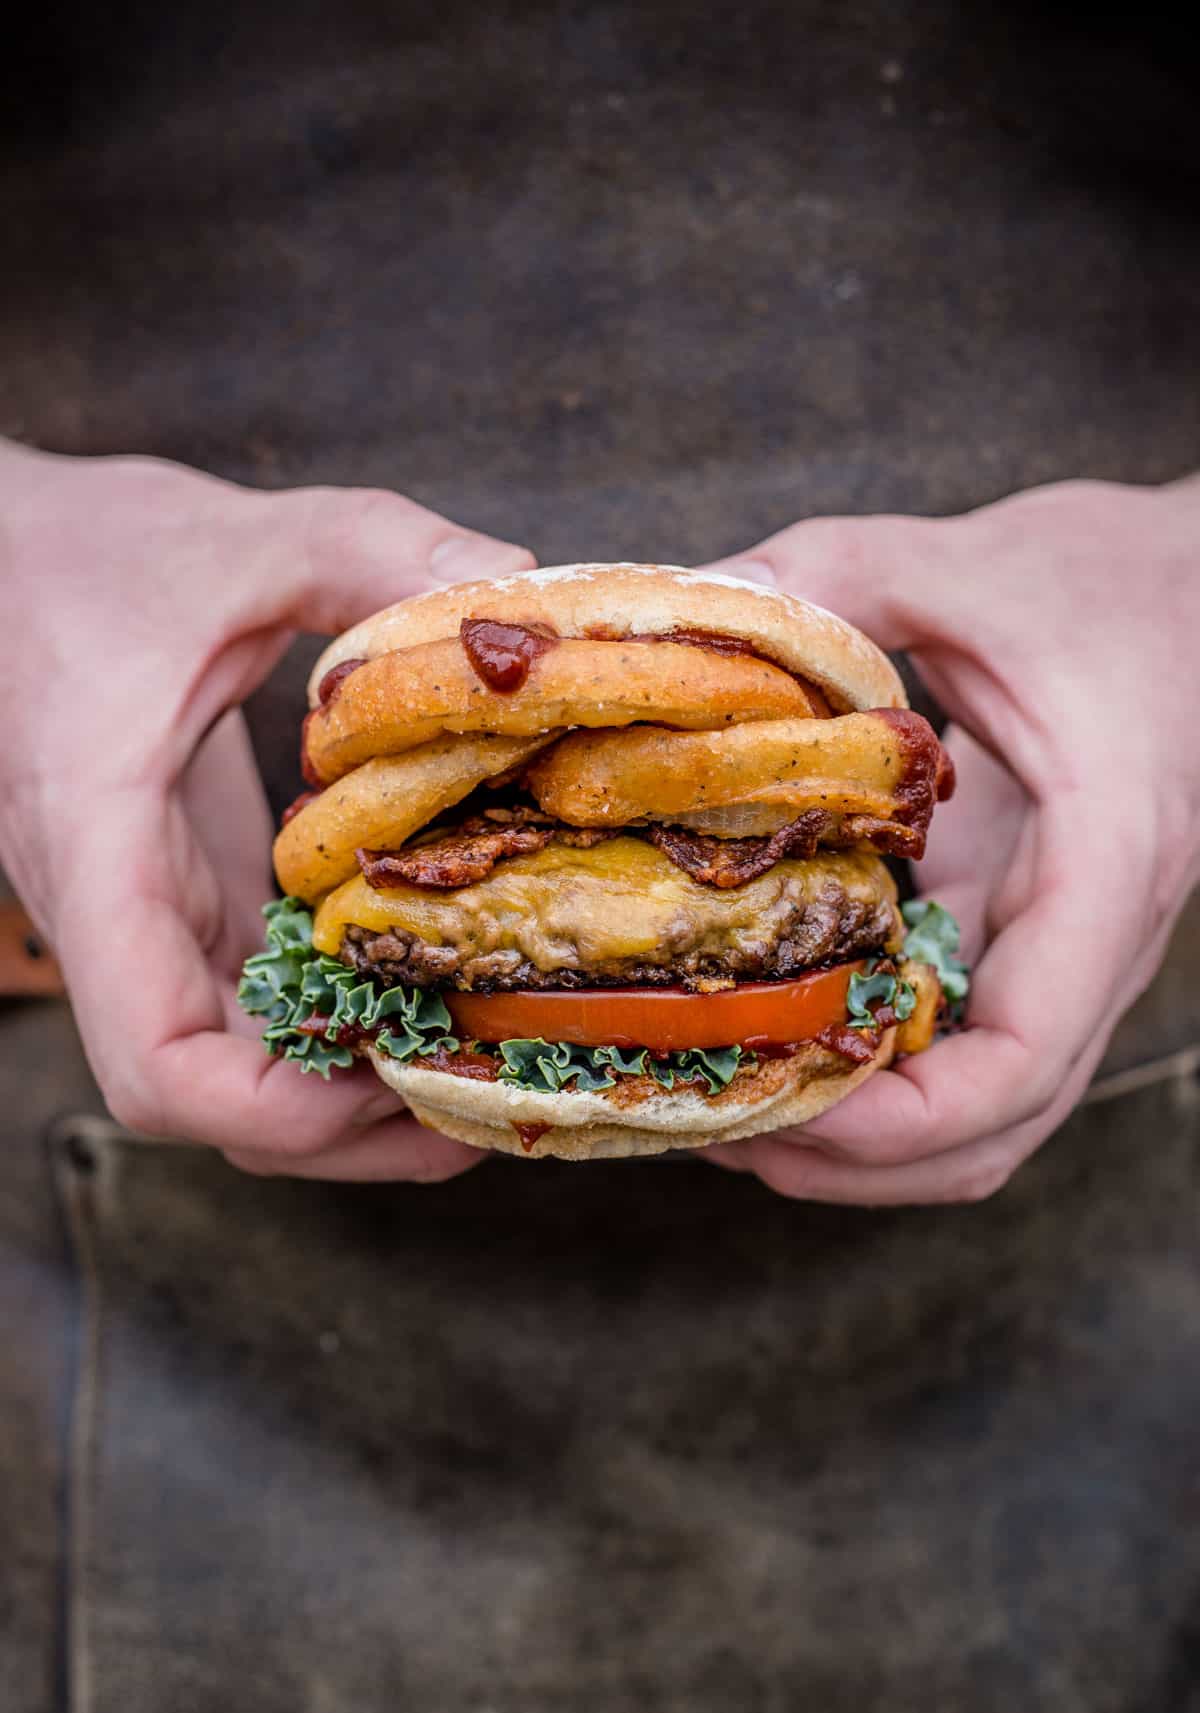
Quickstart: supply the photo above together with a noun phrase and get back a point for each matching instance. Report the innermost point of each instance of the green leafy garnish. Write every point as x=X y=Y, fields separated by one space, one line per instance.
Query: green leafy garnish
x=548 y=1066
x=877 y=987
x=290 y=984
x=933 y=938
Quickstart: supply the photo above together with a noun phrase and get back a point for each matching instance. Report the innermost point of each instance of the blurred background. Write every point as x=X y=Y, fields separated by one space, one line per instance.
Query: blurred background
x=611 y=281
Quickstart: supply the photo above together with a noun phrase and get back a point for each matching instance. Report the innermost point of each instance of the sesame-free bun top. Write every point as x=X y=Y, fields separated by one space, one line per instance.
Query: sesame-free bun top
x=641 y=600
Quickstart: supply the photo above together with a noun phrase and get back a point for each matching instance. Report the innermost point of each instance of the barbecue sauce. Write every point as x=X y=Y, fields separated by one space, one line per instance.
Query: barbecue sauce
x=333 y=680
x=327 y=693
x=857 y=1045
x=502 y=654
x=479 y=1067
x=530 y=1134
x=348 y=1034
x=294 y=808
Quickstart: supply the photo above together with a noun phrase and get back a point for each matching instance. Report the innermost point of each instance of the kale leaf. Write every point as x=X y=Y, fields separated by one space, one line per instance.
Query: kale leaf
x=546 y=1067
x=290 y=983
x=877 y=987
x=933 y=938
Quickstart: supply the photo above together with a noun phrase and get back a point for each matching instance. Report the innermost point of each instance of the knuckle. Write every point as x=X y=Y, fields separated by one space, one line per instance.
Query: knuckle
x=789 y=1168
x=1040 y=1089
x=344 y=522
x=300 y=1144
x=980 y=1182
x=135 y=1109
x=844 y=546
x=470 y=553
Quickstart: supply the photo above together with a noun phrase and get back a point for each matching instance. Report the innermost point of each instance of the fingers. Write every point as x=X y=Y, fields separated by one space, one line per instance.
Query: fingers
x=396 y=1150
x=1044 y=999
x=152 y=1012
x=358 y=550
x=887 y=575
x=805 y=1171
x=975 y=843
x=226 y=808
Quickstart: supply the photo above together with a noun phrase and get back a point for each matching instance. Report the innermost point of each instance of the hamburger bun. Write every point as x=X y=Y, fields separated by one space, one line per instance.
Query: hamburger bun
x=609 y=1124
x=668 y=786
x=641 y=600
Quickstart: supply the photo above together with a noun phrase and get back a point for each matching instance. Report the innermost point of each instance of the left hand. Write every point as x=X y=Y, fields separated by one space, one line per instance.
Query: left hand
x=1059 y=629
x=141 y=603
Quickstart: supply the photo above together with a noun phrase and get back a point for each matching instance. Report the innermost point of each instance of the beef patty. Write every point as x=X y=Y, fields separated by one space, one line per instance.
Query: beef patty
x=802 y=915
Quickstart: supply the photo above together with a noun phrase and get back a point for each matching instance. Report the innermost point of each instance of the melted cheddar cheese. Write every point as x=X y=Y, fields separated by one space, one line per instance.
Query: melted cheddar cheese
x=567 y=908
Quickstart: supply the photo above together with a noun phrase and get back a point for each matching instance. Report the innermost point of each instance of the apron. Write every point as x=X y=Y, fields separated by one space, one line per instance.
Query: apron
x=612 y=281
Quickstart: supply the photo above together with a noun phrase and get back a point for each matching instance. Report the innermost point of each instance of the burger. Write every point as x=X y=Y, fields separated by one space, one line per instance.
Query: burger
x=597 y=860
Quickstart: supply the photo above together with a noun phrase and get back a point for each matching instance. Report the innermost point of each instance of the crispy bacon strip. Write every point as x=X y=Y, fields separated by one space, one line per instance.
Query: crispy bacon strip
x=854 y=1044
x=460 y=859
x=468 y=854
x=383 y=804
x=732 y=862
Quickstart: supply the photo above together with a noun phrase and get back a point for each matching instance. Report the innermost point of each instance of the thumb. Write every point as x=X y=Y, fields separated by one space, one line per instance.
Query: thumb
x=889 y=576
x=351 y=551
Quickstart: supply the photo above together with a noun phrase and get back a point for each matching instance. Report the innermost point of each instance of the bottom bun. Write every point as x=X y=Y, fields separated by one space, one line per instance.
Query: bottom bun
x=636 y=1115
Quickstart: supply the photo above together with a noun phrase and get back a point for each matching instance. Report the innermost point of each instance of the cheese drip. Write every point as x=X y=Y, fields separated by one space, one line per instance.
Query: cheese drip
x=564 y=908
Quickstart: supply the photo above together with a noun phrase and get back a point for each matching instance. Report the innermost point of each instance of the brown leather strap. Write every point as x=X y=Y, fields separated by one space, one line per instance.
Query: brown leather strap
x=26 y=965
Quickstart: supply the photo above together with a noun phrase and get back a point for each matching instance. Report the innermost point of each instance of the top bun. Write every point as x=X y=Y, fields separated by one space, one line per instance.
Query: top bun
x=643 y=600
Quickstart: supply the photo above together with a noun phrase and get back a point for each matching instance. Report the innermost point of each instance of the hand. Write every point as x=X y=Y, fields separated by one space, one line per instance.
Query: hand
x=1060 y=630
x=142 y=603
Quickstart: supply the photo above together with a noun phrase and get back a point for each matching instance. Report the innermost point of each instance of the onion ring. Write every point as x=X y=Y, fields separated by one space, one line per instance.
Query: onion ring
x=383 y=803
x=884 y=763
x=412 y=695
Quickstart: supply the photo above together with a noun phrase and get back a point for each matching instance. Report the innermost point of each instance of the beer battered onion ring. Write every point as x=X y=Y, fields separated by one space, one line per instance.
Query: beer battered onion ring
x=885 y=763
x=412 y=695
x=385 y=802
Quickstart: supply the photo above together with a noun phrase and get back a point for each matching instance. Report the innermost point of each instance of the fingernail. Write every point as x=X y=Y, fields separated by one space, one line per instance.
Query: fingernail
x=463 y=558
x=753 y=570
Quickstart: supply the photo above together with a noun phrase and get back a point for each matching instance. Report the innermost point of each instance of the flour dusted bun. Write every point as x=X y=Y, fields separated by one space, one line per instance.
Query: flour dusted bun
x=669 y=789
x=629 y=1118
x=641 y=600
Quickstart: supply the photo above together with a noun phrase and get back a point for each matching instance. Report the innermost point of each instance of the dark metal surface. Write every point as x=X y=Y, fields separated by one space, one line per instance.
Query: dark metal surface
x=607 y=280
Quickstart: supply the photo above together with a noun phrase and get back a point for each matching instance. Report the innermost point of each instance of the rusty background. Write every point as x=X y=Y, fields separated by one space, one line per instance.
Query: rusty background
x=611 y=280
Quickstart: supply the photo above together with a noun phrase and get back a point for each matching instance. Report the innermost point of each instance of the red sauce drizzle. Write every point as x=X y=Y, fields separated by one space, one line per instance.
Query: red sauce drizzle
x=530 y=1134
x=334 y=679
x=327 y=692
x=308 y=771
x=857 y=1045
x=348 y=1035
x=502 y=654
x=301 y=802
x=480 y=1067
x=715 y=641
x=927 y=773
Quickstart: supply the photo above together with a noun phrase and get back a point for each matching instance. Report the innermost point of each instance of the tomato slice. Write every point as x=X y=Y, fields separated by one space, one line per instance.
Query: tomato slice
x=759 y=1013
